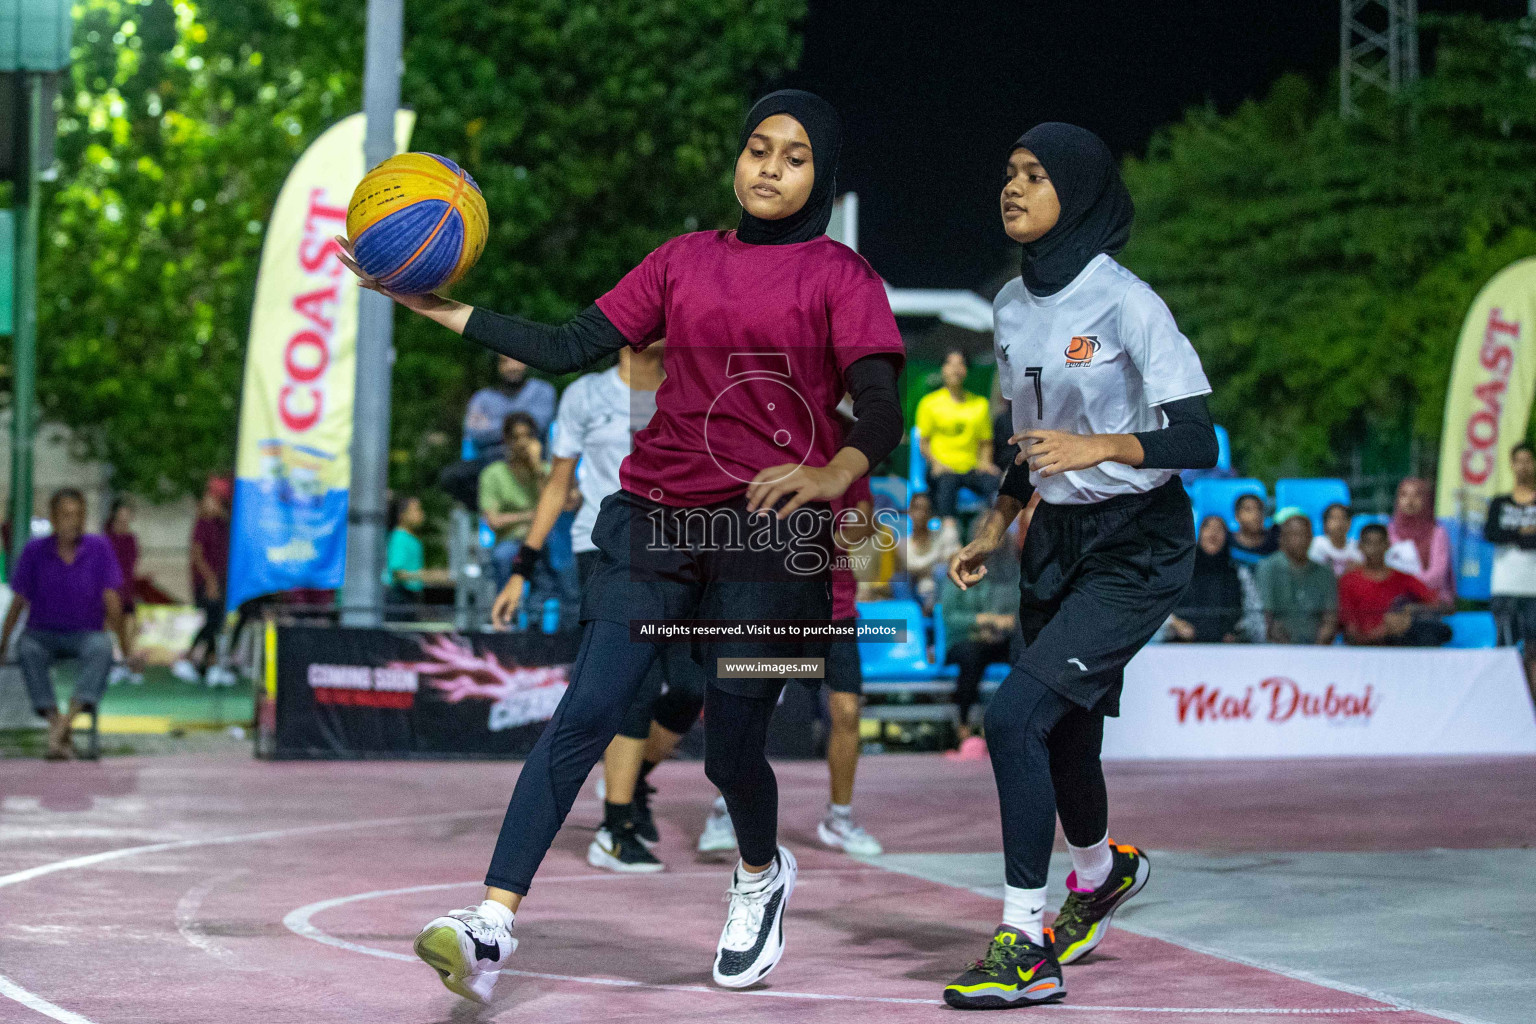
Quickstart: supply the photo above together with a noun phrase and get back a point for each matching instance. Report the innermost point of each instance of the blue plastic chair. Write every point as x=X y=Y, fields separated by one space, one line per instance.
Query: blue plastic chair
x=1223 y=450
x=1472 y=629
x=1312 y=496
x=1217 y=497
x=889 y=492
x=1361 y=520
x=901 y=661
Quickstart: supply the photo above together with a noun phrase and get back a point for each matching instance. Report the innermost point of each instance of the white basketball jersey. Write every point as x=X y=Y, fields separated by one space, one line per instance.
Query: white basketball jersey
x=1097 y=357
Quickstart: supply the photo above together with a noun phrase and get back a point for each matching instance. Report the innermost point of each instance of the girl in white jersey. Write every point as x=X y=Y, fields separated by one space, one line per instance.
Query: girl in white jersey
x=1108 y=405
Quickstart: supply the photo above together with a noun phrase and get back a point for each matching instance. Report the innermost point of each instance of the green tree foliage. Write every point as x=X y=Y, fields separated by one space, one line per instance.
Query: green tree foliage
x=596 y=130
x=1323 y=268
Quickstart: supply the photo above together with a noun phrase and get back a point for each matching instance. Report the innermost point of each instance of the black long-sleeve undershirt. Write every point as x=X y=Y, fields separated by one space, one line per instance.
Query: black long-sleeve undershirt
x=589 y=336
x=1187 y=442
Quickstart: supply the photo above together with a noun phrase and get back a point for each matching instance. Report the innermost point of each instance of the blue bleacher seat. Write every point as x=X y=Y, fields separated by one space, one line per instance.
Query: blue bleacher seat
x=1217 y=497
x=889 y=492
x=1312 y=496
x=1361 y=520
x=903 y=661
x=1472 y=629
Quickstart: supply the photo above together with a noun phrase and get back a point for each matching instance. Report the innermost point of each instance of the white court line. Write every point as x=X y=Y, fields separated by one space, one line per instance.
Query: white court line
x=32 y=1001
x=298 y=921
x=191 y=928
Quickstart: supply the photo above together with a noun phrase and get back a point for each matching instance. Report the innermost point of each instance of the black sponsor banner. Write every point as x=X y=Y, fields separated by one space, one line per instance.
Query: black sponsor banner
x=383 y=693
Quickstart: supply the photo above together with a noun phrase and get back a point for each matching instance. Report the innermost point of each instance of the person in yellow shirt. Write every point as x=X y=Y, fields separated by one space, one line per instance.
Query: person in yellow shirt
x=954 y=432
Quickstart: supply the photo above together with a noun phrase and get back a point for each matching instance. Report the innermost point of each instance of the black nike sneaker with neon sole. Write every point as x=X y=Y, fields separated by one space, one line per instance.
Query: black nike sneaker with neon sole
x=1015 y=972
x=619 y=849
x=645 y=823
x=1084 y=918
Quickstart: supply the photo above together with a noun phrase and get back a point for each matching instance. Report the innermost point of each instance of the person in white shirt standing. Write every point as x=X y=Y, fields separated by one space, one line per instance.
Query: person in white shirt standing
x=1108 y=406
x=1511 y=525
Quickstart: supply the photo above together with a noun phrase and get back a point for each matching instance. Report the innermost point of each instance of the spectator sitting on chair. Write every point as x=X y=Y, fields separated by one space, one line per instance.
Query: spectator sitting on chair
x=509 y=491
x=405 y=571
x=1511 y=525
x=1380 y=605
x=1333 y=547
x=71 y=586
x=488 y=409
x=954 y=433
x=1213 y=603
x=1252 y=543
x=1300 y=597
x=1420 y=546
x=979 y=624
x=927 y=548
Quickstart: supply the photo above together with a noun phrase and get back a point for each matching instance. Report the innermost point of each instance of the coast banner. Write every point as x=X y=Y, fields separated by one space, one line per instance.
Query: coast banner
x=1488 y=403
x=294 y=465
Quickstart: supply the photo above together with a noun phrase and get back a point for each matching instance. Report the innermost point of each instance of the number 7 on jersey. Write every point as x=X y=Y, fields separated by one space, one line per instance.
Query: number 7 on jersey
x=1033 y=372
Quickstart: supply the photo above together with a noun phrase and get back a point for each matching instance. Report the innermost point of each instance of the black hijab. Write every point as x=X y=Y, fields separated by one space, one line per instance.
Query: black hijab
x=825 y=130
x=1213 y=602
x=1096 y=208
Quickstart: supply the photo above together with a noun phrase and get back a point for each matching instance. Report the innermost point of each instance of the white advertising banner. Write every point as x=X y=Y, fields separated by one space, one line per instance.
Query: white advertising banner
x=1261 y=701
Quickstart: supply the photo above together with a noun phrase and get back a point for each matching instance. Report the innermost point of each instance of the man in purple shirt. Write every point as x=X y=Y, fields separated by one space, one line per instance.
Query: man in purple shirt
x=72 y=585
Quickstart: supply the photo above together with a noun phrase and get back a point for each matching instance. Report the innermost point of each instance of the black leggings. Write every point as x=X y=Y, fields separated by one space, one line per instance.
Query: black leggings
x=1045 y=754
x=604 y=679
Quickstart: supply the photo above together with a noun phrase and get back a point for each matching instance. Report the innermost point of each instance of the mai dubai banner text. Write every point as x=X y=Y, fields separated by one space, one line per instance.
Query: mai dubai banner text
x=1488 y=403
x=294 y=464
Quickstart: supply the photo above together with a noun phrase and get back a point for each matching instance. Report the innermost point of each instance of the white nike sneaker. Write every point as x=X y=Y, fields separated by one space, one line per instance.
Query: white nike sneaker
x=186 y=671
x=752 y=940
x=841 y=833
x=467 y=948
x=719 y=835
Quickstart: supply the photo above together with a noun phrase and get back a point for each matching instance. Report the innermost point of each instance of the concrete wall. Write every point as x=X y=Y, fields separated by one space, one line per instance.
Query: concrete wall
x=163 y=530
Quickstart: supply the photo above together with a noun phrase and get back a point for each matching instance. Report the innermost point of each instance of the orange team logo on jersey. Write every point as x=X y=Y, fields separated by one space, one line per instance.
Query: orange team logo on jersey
x=1081 y=348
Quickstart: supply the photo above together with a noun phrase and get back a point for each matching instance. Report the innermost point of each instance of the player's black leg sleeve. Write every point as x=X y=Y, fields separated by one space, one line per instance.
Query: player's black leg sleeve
x=735 y=733
x=609 y=668
x=1019 y=722
x=1082 y=802
x=679 y=705
x=637 y=718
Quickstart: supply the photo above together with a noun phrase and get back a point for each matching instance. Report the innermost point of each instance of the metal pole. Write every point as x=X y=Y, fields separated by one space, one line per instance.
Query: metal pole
x=25 y=352
x=363 y=594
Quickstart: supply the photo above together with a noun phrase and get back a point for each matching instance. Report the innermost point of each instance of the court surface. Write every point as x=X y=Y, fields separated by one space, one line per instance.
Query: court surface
x=209 y=888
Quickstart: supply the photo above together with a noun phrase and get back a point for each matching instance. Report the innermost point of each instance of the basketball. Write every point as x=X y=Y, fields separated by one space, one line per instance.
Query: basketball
x=417 y=223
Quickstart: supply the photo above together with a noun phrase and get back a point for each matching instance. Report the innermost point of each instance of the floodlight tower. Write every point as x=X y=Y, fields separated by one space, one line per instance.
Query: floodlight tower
x=1378 y=48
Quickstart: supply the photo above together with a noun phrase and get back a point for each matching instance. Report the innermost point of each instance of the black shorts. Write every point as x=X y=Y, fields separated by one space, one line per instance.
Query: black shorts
x=660 y=562
x=1516 y=619
x=1097 y=582
x=842 y=671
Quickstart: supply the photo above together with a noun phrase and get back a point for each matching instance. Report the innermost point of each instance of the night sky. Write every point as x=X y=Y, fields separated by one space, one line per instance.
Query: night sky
x=933 y=94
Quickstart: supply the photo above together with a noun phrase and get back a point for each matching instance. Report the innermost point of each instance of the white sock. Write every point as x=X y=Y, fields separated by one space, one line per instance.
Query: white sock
x=1092 y=863
x=840 y=810
x=719 y=807
x=749 y=880
x=1024 y=911
x=497 y=913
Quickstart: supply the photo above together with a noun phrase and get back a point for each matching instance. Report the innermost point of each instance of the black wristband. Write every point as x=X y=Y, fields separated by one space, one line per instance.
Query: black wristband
x=526 y=559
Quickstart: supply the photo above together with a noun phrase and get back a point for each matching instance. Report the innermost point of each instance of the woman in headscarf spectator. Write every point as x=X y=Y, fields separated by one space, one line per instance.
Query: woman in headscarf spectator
x=1333 y=547
x=1213 y=604
x=1420 y=546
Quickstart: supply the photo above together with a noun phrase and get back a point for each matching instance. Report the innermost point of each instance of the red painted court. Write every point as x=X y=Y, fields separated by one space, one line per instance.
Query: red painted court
x=195 y=889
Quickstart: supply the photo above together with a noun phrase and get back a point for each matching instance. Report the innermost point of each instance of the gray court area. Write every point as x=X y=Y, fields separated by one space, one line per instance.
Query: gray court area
x=1448 y=932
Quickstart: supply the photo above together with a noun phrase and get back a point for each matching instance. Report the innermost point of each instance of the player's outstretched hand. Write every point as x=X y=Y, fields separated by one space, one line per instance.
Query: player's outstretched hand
x=505 y=605
x=967 y=566
x=799 y=483
x=427 y=302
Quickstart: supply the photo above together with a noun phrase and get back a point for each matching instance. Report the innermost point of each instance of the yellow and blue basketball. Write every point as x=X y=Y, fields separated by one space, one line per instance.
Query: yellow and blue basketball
x=417 y=223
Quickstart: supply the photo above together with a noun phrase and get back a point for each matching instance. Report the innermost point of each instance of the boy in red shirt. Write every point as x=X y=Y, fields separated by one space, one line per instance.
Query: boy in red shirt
x=1379 y=605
